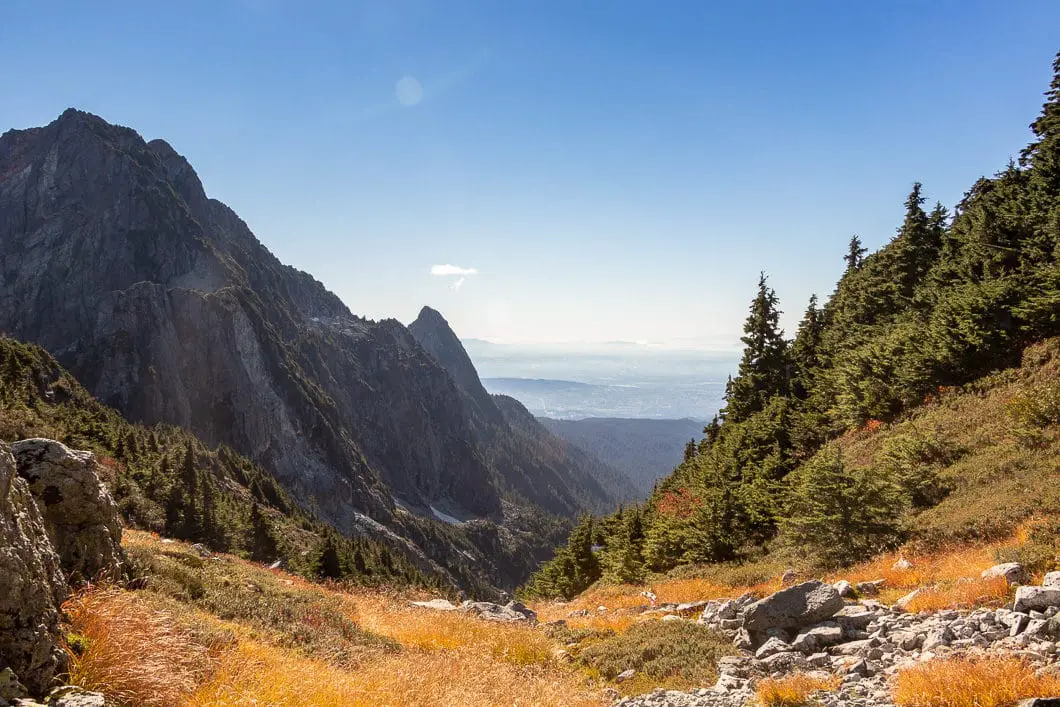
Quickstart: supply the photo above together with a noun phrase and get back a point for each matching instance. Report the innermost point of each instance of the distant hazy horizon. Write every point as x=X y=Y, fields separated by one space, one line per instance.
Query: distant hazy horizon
x=618 y=379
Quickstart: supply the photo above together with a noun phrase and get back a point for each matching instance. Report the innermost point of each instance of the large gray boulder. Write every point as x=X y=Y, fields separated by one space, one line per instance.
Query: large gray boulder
x=1013 y=572
x=32 y=586
x=795 y=607
x=1035 y=598
x=79 y=513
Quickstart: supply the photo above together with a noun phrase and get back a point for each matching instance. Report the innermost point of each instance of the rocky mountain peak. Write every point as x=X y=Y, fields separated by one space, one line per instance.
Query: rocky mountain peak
x=433 y=333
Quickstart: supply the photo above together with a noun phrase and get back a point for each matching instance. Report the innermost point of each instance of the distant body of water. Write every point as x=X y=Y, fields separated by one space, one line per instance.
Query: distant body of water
x=626 y=381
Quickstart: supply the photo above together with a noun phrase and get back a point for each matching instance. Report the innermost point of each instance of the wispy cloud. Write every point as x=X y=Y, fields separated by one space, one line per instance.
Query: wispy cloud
x=455 y=287
x=452 y=270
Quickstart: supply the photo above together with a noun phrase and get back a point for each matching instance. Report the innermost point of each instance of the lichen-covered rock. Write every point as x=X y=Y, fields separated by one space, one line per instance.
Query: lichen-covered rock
x=32 y=586
x=801 y=605
x=1013 y=572
x=79 y=513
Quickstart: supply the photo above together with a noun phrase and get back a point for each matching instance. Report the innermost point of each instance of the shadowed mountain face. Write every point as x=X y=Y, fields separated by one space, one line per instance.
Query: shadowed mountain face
x=164 y=305
x=535 y=465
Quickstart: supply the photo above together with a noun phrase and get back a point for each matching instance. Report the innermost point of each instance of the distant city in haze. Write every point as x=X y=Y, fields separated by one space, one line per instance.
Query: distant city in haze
x=617 y=379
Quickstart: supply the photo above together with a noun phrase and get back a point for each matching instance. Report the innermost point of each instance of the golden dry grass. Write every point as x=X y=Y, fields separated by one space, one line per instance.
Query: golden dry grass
x=792 y=690
x=142 y=650
x=131 y=652
x=444 y=630
x=963 y=682
x=258 y=674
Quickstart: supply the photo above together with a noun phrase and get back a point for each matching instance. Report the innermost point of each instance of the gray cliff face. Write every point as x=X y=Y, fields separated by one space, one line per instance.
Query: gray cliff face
x=164 y=305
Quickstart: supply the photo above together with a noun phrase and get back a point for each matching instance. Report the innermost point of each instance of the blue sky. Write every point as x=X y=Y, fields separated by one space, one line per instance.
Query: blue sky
x=611 y=170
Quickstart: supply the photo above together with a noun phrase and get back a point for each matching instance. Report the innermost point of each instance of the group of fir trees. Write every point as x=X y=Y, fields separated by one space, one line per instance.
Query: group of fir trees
x=947 y=300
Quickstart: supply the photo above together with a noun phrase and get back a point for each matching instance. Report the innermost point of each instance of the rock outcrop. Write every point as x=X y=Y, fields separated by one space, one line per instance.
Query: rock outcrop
x=512 y=612
x=797 y=606
x=79 y=513
x=32 y=586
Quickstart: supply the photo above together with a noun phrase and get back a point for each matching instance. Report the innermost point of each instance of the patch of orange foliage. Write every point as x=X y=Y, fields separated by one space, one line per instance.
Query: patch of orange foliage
x=681 y=503
x=131 y=652
x=961 y=595
x=966 y=682
x=792 y=690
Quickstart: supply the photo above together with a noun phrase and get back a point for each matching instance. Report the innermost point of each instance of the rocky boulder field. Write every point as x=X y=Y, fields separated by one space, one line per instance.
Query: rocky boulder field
x=825 y=630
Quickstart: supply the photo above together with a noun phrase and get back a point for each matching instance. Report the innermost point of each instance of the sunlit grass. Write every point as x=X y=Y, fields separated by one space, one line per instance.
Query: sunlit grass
x=132 y=652
x=792 y=690
x=962 y=682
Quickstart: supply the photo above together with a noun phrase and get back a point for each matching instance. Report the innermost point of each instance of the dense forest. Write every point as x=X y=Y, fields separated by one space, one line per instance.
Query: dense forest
x=949 y=299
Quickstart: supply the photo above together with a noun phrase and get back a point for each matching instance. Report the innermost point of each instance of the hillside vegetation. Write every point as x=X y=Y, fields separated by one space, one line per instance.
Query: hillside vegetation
x=949 y=300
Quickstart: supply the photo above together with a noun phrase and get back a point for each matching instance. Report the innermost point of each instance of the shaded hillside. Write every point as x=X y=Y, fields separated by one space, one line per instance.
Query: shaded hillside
x=646 y=450
x=536 y=466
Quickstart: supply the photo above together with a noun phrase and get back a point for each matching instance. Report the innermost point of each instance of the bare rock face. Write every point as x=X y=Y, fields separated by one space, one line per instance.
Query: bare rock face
x=32 y=586
x=79 y=513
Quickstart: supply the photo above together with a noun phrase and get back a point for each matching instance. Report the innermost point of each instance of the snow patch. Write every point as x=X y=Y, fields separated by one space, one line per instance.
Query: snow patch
x=445 y=517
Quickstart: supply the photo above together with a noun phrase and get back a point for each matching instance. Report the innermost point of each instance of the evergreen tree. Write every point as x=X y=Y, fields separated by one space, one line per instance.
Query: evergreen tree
x=329 y=564
x=805 y=349
x=690 y=450
x=835 y=517
x=1043 y=155
x=261 y=541
x=764 y=370
x=623 y=561
x=855 y=253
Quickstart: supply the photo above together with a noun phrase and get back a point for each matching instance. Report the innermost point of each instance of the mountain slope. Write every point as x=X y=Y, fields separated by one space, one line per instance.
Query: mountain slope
x=645 y=450
x=165 y=306
x=535 y=465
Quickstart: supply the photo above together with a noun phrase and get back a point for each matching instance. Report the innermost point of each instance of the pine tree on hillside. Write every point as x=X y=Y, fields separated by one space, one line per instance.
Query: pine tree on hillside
x=261 y=540
x=837 y=517
x=765 y=369
x=805 y=350
x=1043 y=155
x=623 y=561
x=855 y=253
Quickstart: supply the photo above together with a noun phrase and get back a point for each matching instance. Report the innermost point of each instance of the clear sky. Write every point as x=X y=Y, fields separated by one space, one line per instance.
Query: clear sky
x=609 y=170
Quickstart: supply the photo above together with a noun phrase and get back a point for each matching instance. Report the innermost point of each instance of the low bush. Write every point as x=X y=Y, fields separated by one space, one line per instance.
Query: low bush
x=670 y=653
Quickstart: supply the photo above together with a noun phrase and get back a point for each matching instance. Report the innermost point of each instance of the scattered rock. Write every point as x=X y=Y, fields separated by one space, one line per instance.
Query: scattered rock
x=1011 y=571
x=772 y=647
x=795 y=607
x=72 y=696
x=79 y=513
x=1052 y=579
x=10 y=687
x=908 y=599
x=902 y=564
x=1035 y=598
x=512 y=612
x=436 y=604
x=788 y=577
x=870 y=589
x=625 y=675
x=844 y=589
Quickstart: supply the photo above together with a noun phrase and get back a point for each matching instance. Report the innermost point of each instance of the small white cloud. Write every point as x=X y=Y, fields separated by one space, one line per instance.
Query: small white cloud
x=452 y=270
x=456 y=285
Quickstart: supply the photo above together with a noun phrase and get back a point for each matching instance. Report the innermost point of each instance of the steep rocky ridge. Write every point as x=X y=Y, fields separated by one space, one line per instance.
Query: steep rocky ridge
x=164 y=305
x=534 y=464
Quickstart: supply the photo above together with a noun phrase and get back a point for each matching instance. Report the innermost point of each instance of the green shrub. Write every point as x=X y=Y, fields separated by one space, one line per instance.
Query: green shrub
x=679 y=651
